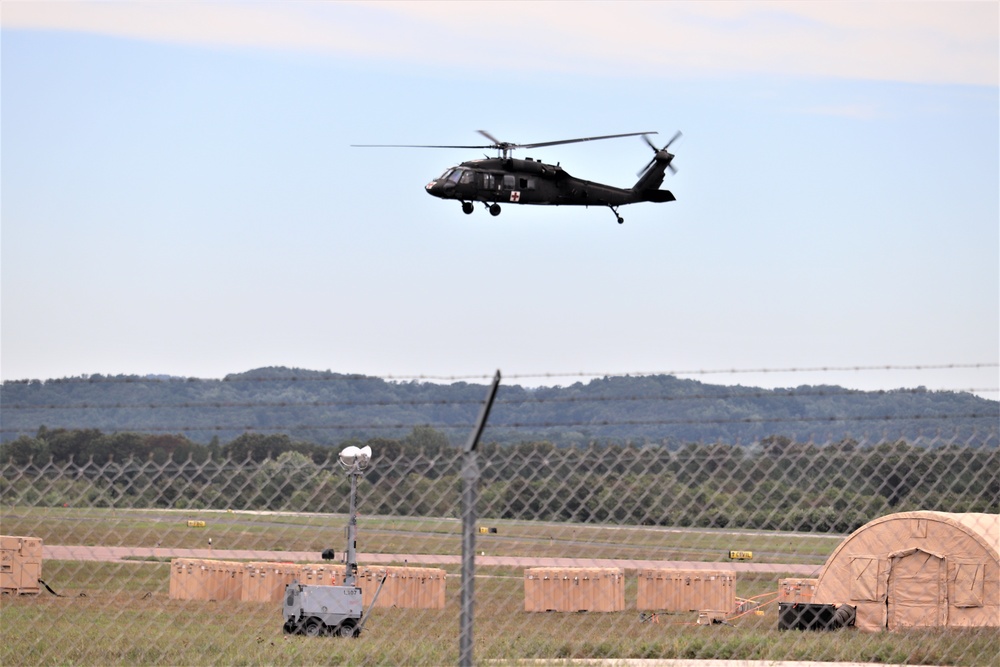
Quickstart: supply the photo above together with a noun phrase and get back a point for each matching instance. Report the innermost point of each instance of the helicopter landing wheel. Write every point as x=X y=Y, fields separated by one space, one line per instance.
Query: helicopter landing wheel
x=495 y=210
x=620 y=220
x=467 y=207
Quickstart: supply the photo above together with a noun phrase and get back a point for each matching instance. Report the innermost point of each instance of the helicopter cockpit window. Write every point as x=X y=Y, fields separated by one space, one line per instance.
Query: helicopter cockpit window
x=467 y=177
x=446 y=174
x=455 y=175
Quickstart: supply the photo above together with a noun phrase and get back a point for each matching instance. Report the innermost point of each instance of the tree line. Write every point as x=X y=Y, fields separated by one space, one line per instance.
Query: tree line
x=330 y=408
x=778 y=484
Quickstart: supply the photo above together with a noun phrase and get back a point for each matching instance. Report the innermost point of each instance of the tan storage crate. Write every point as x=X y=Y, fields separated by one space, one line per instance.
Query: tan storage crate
x=405 y=587
x=321 y=574
x=574 y=589
x=686 y=590
x=796 y=590
x=20 y=565
x=265 y=582
x=197 y=579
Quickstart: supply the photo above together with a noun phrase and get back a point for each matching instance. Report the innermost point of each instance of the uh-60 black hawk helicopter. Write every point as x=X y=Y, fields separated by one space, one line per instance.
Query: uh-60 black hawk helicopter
x=528 y=181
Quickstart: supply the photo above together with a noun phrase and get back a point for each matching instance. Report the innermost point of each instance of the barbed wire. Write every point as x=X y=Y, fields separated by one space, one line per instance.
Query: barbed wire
x=371 y=426
x=750 y=394
x=324 y=376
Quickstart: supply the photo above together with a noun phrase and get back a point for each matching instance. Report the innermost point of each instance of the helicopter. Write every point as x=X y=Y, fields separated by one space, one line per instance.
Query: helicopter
x=506 y=179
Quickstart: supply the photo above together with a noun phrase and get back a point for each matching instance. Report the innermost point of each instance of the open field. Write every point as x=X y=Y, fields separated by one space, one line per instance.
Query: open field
x=126 y=618
x=119 y=613
x=275 y=531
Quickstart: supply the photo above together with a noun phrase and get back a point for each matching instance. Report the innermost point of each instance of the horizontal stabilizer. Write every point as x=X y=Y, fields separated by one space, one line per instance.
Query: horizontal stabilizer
x=660 y=196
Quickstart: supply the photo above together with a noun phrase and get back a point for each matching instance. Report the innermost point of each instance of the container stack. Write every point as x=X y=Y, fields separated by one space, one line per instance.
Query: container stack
x=574 y=589
x=406 y=587
x=265 y=582
x=686 y=590
x=20 y=565
x=200 y=579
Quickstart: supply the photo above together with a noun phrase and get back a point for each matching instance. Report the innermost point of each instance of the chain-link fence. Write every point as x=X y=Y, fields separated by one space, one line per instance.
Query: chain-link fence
x=582 y=551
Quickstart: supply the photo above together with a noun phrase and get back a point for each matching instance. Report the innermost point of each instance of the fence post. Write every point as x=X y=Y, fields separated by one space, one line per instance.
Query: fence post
x=470 y=480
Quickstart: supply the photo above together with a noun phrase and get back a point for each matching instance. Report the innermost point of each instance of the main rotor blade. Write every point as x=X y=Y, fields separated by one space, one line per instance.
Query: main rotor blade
x=508 y=146
x=412 y=146
x=674 y=138
x=489 y=136
x=576 y=141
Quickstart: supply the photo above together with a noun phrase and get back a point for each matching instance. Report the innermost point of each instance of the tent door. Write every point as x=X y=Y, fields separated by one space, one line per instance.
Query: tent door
x=917 y=590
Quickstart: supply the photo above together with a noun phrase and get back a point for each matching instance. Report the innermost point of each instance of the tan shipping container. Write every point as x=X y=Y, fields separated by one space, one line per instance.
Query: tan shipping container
x=198 y=579
x=405 y=587
x=574 y=589
x=796 y=590
x=20 y=565
x=265 y=582
x=686 y=590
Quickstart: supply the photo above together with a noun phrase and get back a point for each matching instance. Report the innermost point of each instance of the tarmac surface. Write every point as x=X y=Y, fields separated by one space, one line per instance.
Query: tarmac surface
x=88 y=553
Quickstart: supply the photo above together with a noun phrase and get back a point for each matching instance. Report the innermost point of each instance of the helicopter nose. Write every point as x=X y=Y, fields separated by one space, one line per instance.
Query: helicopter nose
x=433 y=188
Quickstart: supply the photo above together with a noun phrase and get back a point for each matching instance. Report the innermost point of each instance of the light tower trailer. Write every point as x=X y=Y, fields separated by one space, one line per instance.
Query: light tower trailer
x=334 y=610
x=323 y=611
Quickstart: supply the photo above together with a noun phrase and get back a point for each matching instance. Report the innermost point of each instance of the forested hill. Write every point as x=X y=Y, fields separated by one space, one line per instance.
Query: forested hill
x=327 y=408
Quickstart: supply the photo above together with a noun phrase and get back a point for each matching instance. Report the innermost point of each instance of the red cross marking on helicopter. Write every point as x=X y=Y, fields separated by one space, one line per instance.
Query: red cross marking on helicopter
x=515 y=196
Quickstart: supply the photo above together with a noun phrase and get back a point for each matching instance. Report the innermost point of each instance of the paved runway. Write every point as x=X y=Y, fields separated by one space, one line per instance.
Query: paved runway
x=63 y=552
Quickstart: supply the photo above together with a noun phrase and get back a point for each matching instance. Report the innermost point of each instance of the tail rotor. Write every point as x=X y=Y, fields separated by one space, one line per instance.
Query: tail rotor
x=661 y=154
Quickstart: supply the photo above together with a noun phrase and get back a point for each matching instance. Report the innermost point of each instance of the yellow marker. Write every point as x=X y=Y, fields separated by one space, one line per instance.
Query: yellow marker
x=740 y=555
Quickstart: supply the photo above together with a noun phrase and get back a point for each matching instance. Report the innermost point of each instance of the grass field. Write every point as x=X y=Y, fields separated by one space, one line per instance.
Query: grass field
x=120 y=613
x=305 y=532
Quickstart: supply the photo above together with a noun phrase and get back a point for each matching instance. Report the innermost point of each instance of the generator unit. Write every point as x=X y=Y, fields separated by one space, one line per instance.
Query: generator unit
x=323 y=610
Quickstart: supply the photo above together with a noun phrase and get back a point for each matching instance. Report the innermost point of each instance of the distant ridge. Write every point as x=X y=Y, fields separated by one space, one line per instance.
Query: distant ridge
x=327 y=407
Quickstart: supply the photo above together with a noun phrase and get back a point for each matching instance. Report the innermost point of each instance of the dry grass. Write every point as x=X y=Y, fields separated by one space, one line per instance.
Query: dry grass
x=126 y=618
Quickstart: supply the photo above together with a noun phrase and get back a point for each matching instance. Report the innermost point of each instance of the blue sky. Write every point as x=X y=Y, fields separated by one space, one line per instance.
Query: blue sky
x=179 y=194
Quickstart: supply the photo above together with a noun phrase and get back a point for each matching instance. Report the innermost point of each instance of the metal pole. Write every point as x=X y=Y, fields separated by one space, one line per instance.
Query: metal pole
x=470 y=481
x=470 y=476
x=350 y=575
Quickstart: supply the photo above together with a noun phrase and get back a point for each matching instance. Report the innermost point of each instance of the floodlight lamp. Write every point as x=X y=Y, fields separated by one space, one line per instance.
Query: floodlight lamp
x=355 y=457
x=348 y=456
x=364 y=456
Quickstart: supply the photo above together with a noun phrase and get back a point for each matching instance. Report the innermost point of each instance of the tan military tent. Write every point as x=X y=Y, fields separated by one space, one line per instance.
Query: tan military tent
x=918 y=569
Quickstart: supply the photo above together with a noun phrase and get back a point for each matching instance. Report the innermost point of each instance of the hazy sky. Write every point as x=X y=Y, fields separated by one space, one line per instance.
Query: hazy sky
x=179 y=194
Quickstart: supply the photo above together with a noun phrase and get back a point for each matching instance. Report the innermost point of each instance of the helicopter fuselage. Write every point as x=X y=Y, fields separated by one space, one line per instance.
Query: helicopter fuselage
x=510 y=180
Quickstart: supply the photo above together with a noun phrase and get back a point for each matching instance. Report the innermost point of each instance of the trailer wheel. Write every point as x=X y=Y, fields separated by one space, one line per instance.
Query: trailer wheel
x=347 y=629
x=314 y=627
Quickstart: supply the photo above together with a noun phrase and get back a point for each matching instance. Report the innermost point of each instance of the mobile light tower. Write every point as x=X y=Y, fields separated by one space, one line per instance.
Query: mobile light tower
x=317 y=610
x=355 y=461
